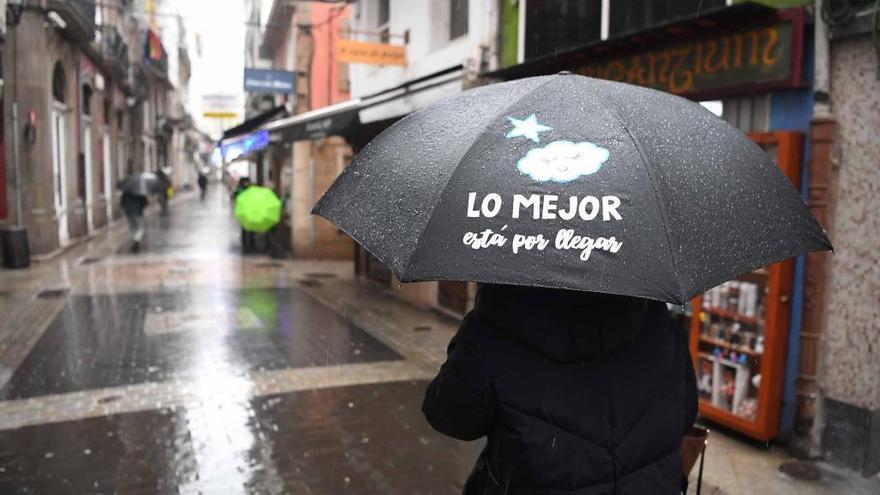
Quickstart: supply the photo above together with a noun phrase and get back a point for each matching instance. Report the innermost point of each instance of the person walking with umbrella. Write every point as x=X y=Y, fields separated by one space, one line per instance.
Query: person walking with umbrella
x=258 y=210
x=203 y=184
x=135 y=189
x=581 y=206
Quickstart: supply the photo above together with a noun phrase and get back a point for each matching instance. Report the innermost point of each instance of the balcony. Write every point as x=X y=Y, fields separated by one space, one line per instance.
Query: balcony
x=78 y=17
x=113 y=50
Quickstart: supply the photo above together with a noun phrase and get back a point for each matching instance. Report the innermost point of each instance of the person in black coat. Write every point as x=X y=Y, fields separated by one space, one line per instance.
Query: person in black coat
x=133 y=205
x=578 y=393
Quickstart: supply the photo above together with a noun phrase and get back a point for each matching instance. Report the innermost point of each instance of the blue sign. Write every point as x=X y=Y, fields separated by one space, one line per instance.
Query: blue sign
x=254 y=141
x=268 y=81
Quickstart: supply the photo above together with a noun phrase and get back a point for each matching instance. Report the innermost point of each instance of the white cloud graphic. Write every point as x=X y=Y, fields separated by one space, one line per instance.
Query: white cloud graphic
x=563 y=161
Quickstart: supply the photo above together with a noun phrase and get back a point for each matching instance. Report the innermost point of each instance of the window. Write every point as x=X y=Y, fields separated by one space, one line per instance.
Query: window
x=458 y=18
x=59 y=83
x=86 y=99
x=344 y=81
x=628 y=16
x=382 y=17
x=382 y=20
x=556 y=25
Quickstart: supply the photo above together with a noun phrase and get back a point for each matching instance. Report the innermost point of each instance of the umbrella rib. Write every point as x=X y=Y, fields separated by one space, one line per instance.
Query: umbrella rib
x=645 y=162
x=482 y=133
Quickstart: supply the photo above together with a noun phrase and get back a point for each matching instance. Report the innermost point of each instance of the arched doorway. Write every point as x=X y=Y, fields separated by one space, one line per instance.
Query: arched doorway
x=59 y=147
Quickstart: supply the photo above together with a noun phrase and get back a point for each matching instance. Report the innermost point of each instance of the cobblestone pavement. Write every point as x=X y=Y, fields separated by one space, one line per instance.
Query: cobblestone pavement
x=188 y=368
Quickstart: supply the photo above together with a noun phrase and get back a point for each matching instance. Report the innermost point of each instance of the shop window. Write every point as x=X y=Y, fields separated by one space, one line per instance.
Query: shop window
x=458 y=18
x=556 y=25
x=629 y=16
x=59 y=83
x=86 y=99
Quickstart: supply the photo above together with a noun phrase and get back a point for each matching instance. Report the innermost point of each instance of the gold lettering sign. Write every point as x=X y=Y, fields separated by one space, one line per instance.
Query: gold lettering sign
x=359 y=52
x=755 y=56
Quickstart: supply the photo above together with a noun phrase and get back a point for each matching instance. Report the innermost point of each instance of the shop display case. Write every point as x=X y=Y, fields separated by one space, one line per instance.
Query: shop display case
x=739 y=330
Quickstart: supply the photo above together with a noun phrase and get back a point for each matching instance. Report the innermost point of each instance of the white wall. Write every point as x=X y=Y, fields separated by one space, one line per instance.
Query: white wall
x=428 y=51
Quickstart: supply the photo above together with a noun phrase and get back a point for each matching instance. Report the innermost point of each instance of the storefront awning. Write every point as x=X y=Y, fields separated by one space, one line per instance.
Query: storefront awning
x=252 y=123
x=333 y=120
x=346 y=119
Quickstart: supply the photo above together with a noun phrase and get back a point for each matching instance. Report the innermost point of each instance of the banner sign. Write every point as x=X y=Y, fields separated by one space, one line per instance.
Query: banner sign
x=359 y=52
x=269 y=81
x=767 y=56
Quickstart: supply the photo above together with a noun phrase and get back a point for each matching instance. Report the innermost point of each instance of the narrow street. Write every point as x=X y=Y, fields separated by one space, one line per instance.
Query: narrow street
x=187 y=368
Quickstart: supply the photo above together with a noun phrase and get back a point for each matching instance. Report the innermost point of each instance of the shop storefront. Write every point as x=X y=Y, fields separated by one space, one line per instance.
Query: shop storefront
x=747 y=64
x=353 y=124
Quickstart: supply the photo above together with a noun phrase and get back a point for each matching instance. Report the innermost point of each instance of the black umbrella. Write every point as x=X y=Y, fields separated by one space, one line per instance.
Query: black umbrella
x=142 y=184
x=571 y=182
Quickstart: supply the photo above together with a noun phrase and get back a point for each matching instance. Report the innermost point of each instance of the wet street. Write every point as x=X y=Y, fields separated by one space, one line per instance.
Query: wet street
x=188 y=368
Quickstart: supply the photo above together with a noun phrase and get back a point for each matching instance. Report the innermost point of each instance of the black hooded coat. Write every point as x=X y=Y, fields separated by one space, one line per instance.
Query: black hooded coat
x=578 y=393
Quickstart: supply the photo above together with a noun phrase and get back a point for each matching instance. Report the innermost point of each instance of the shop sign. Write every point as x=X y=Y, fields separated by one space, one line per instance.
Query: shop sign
x=220 y=106
x=269 y=81
x=330 y=125
x=765 y=56
x=359 y=52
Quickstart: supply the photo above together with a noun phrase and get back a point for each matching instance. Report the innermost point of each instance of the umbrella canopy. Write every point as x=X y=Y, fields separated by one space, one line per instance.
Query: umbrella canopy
x=257 y=209
x=142 y=184
x=570 y=182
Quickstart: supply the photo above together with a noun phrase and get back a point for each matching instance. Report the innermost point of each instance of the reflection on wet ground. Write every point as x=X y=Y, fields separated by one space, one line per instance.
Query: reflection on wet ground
x=368 y=439
x=187 y=368
x=109 y=340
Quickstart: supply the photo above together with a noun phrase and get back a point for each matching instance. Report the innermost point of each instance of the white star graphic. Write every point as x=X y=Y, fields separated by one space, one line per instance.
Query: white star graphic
x=528 y=127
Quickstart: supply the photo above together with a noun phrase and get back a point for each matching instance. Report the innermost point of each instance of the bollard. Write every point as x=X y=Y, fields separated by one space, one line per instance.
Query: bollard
x=16 y=253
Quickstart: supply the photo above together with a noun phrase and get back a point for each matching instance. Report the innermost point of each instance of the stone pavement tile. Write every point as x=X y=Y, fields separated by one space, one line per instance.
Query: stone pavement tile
x=735 y=466
x=355 y=439
x=209 y=390
x=99 y=341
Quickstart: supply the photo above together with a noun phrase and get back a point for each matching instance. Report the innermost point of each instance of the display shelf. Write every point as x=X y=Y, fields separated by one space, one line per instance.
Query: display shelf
x=733 y=315
x=726 y=345
x=747 y=397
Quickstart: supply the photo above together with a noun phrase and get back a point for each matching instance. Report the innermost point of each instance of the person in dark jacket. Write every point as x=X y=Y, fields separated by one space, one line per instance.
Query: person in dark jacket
x=133 y=206
x=578 y=393
x=203 y=185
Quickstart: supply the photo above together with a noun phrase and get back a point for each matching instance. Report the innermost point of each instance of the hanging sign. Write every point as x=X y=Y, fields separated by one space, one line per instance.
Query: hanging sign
x=268 y=81
x=754 y=58
x=359 y=52
x=220 y=106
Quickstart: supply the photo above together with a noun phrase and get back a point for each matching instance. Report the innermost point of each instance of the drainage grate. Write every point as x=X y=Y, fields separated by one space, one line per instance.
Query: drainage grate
x=269 y=264
x=321 y=275
x=423 y=328
x=801 y=470
x=310 y=283
x=51 y=293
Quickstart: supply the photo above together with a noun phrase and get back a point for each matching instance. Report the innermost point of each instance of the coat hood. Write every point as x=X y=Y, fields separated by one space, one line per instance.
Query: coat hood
x=563 y=325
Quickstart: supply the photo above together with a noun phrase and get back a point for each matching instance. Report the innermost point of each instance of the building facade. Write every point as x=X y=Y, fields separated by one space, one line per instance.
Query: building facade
x=848 y=323
x=88 y=92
